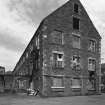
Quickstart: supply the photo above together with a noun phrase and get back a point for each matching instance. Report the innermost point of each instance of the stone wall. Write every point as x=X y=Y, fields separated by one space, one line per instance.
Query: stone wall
x=61 y=20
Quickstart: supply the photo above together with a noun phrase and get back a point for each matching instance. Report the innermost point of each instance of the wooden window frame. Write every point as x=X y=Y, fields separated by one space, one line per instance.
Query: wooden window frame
x=93 y=67
x=55 y=63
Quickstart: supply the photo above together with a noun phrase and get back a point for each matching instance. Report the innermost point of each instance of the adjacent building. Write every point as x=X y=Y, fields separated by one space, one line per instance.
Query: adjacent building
x=2 y=80
x=103 y=77
x=63 y=57
x=8 y=81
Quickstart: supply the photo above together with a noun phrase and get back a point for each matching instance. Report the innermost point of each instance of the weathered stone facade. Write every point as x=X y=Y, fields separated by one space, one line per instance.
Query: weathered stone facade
x=69 y=53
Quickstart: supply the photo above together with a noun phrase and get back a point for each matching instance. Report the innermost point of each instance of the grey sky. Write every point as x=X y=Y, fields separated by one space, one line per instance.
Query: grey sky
x=20 y=18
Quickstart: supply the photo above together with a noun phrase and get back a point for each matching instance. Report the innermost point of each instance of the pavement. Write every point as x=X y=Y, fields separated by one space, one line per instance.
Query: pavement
x=34 y=100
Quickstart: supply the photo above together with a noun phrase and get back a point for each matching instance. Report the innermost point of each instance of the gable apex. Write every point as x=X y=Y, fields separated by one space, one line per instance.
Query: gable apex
x=87 y=15
x=66 y=11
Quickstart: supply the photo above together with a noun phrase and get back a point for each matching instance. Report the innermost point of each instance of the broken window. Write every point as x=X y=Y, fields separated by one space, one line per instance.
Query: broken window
x=76 y=59
x=76 y=8
x=91 y=64
x=76 y=62
x=76 y=23
x=91 y=81
x=58 y=61
x=76 y=41
x=92 y=46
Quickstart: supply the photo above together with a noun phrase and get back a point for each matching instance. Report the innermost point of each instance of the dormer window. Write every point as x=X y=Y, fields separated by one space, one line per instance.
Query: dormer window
x=76 y=8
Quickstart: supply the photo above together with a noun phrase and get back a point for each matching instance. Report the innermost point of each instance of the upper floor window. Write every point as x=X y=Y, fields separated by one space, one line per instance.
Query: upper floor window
x=37 y=42
x=27 y=55
x=76 y=8
x=76 y=41
x=57 y=37
x=92 y=45
x=76 y=62
x=58 y=60
x=76 y=59
x=31 y=48
x=76 y=23
x=91 y=64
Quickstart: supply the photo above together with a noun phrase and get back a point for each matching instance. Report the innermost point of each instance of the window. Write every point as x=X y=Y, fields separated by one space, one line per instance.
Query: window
x=91 y=81
x=91 y=64
x=75 y=83
x=76 y=8
x=76 y=62
x=76 y=41
x=57 y=37
x=92 y=45
x=21 y=84
x=57 y=82
x=27 y=55
x=58 y=61
x=37 y=42
x=31 y=48
x=76 y=23
x=76 y=59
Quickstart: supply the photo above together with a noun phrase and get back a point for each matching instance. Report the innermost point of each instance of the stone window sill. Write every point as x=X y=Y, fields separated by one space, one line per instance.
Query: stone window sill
x=76 y=88
x=57 y=87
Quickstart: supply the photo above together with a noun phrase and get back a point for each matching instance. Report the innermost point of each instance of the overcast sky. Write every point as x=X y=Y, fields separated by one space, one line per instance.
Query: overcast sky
x=20 y=18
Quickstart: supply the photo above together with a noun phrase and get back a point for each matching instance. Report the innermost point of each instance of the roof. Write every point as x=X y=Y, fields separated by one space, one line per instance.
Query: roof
x=1 y=67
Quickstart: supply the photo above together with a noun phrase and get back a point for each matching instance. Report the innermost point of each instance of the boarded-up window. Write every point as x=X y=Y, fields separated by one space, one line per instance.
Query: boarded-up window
x=75 y=83
x=57 y=37
x=57 y=82
x=76 y=41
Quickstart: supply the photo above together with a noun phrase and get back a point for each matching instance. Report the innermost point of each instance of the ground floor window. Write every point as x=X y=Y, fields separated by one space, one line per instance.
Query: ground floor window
x=22 y=84
x=91 y=81
x=76 y=83
x=57 y=82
